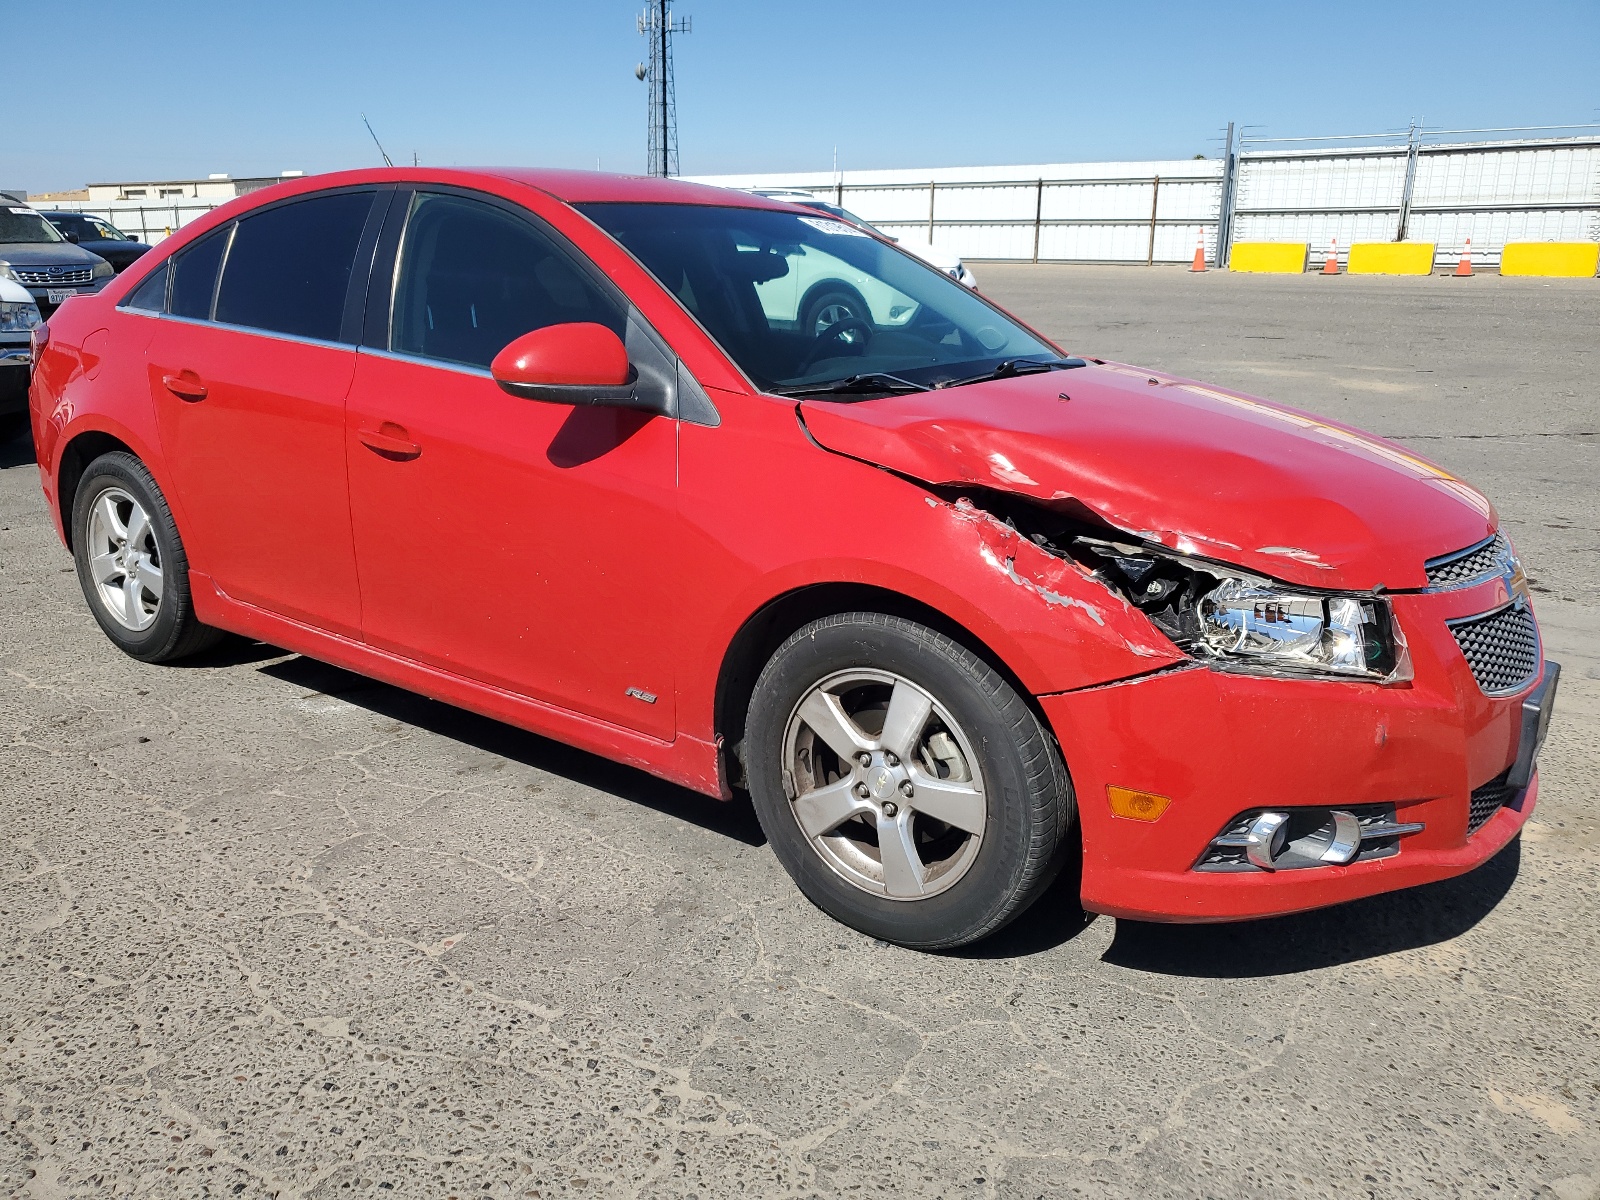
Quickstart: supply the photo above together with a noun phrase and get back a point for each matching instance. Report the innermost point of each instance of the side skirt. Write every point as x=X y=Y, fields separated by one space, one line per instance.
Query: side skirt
x=686 y=761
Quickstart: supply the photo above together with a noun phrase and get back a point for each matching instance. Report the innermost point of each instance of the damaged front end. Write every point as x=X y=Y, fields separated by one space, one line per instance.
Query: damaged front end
x=1226 y=617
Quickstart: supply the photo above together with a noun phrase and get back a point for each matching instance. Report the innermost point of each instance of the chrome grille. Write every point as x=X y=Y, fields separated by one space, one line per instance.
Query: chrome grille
x=1482 y=561
x=1501 y=647
x=46 y=277
x=1488 y=799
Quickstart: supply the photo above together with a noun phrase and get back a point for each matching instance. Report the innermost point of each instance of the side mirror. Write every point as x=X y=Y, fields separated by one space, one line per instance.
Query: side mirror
x=73 y=238
x=578 y=363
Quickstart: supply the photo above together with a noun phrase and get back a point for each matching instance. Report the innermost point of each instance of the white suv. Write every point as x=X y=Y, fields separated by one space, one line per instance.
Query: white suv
x=944 y=260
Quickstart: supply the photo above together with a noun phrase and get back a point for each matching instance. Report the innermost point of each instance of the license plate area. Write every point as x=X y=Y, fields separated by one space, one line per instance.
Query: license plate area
x=60 y=295
x=1536 y=710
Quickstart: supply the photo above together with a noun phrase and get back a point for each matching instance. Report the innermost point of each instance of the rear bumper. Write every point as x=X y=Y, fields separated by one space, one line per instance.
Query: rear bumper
x=1220 y=744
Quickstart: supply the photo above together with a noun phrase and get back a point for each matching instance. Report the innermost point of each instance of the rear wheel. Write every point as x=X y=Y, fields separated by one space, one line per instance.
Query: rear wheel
x=131 y=563
x=827 y=309
x=903 y=783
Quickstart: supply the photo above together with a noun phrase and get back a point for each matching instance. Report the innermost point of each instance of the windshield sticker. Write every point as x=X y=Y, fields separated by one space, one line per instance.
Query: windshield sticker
x=834 y=227
x=23 y=211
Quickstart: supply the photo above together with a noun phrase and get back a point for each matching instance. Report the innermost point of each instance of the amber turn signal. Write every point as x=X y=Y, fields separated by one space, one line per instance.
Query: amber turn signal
x=1136 y=805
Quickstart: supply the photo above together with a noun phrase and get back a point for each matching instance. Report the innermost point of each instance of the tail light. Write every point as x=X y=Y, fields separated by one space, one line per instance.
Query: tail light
x=38 y=339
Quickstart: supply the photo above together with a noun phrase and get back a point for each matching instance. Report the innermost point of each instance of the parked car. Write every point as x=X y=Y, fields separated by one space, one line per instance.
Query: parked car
x=98 y=237
x=19 y=316
x=947 y=602
x=52 y=269
x=936 y=256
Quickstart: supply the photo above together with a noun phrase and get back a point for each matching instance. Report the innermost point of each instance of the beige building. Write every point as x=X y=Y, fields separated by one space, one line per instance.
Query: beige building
x=215 y=188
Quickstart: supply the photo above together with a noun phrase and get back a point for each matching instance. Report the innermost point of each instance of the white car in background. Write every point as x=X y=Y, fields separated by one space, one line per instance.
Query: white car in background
x=944 y=260
x=819 y=290
x=19 y=316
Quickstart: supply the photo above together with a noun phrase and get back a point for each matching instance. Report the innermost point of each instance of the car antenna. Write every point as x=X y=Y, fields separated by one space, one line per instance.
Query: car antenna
x=387 y=161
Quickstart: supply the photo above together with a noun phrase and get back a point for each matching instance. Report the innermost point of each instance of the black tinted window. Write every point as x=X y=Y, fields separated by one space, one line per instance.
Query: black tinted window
x=473 y=278
x=194 y=276
x=289 y=268
x=151 y=295
x=71 y=224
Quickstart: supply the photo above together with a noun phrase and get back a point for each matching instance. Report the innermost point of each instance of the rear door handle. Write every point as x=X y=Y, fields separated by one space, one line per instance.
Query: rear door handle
x=185 y=385
x=391 y=441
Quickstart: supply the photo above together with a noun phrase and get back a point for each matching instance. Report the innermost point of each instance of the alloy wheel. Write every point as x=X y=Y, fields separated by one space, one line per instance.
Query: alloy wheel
x=884 y=784
x=124 y=560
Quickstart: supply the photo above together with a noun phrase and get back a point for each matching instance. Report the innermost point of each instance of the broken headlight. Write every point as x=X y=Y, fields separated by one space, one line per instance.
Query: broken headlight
x=1246 y=622
x=1257 y=621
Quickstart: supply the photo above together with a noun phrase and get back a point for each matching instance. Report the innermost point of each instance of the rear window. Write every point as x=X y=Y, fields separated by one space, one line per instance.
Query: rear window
x=151 y=295
x=289 y=268
x=194 y=276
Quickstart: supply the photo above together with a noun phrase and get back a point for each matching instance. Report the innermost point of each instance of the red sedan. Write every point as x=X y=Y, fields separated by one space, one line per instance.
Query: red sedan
x=584 y=453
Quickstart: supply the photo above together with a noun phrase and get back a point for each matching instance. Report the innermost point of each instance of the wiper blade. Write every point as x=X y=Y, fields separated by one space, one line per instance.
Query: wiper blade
x=1017 y=366
x=872 y=381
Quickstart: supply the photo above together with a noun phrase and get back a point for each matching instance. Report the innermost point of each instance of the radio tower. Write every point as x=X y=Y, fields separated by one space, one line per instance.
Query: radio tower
x=657 y=25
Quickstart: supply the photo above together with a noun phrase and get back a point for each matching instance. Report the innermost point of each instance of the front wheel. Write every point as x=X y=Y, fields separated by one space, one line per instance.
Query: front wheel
x=131 y=562
x=903 y=783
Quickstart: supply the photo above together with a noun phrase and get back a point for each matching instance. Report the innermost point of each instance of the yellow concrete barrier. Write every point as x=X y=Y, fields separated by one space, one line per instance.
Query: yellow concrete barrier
x=1568 y=260
x=1278 y=258
x=1391 y=258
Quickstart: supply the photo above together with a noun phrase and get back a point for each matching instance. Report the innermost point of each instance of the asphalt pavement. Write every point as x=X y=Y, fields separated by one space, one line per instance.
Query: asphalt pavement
x=270 y=929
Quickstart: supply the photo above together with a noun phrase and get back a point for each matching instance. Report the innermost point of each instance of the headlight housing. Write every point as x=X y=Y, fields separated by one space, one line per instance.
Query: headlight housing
x=1239 y=621
x=16 y=316
x=103 y=270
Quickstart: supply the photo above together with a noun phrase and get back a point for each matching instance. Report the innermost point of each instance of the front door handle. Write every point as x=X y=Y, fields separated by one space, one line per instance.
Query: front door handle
x=391 y=441
x=185 y=385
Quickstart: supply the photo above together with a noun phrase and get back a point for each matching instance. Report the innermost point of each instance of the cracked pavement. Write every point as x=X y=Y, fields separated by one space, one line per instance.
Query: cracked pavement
x=270 y=929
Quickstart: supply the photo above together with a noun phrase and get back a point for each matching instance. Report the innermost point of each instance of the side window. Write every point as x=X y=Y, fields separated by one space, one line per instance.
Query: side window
x=473 y=278
x=151 y=295
x=288 y=270
x=194 y=276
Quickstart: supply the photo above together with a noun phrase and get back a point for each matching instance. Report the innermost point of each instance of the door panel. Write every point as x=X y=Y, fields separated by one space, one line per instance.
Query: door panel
x=252 y=411
x=524 y=545
x=258 y=457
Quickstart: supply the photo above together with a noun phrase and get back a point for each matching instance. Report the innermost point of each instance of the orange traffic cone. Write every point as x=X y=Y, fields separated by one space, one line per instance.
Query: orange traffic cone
x=1331 y=267
x=1464 y=267
x=1199 y=252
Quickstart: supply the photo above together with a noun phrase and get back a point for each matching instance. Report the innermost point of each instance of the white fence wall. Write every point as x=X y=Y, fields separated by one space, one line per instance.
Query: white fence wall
x=1133 y=212
x=1492 y=192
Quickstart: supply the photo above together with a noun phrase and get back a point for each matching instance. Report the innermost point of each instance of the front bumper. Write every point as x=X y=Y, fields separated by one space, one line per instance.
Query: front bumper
x=1219 y=744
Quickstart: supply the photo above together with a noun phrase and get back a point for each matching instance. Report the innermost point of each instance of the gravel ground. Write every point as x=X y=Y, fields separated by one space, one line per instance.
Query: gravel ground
x=269 y=929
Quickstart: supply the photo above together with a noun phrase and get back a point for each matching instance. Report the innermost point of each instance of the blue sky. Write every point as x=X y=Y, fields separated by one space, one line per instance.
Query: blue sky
x=189 y=87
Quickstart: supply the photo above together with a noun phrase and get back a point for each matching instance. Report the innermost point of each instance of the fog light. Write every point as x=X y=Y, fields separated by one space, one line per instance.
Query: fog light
x=1296 y=838
x=1136 y=805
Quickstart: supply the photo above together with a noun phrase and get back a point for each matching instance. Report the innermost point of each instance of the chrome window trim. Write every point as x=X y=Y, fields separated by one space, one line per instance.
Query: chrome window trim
x=424 y=361
x=250 y=329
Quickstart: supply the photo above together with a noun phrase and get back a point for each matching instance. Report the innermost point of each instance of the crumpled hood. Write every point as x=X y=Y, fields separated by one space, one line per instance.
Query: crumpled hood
x=1195 y=468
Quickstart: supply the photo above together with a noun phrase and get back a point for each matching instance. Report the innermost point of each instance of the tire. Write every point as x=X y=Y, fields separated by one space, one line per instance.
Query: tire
x=978 y=755
x=154 y=619
x=832 y=305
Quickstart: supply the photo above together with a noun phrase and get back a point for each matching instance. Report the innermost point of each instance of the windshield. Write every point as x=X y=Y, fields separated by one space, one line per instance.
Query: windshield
x=25 y=225
x=802 y=302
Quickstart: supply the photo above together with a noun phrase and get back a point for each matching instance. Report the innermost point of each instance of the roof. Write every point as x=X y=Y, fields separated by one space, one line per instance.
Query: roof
x=579 y=187
x=572 y=187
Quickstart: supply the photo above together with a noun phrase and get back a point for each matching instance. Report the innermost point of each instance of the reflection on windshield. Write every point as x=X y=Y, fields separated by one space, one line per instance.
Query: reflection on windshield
x=808 y=301
x=25 y=225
